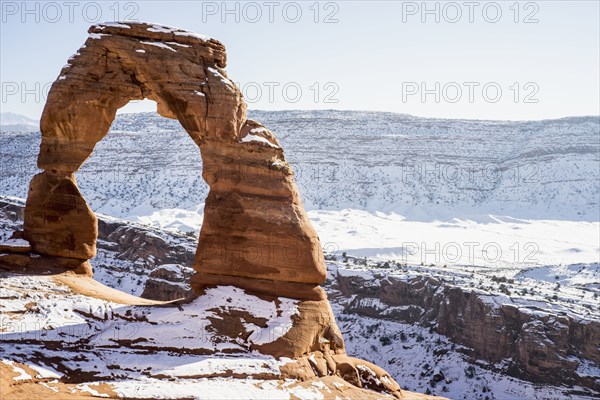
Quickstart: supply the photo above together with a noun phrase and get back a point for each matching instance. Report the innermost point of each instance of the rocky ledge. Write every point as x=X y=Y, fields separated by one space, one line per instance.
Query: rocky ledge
x=533 y=340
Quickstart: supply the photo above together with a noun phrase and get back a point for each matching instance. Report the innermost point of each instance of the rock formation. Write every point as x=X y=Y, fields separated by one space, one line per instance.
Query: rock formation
x=167 y=282
x=534 y=343
x=255 y=233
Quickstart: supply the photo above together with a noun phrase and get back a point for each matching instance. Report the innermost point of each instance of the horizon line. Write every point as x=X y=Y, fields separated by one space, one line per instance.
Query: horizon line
x=361 y=111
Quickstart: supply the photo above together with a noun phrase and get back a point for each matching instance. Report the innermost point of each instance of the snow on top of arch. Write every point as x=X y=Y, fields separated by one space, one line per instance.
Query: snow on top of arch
x=193 y=34
x=256 y=138
x=154 y=27
x=113 y=24
x=177 y=32
x=97 y=35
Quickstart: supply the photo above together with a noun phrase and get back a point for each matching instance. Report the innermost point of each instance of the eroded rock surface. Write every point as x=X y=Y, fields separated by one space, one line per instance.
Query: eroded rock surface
x=160 y=350
x=533 y=342
x=255 y=235
x=254 y=226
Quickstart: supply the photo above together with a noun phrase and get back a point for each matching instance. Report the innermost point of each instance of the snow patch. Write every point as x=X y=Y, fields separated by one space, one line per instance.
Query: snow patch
x=256 y=138
x=159 y=44
x=179 y=44
x=219 y=75
x=194 y=35
x=113 y=24
x=16 y=243
x=97 y=35
x=23 y=376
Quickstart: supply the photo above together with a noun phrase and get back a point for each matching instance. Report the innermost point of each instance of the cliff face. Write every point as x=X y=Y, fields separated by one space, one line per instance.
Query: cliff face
x=133 y=242
x=530 y=341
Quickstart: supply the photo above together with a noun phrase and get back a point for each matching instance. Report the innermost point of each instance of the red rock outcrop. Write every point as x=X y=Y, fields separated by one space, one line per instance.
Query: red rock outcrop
x=255 y=235
x=532 y=341
x=254 y=226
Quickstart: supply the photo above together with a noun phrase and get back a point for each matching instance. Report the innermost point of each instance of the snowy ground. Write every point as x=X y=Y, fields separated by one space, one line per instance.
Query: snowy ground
x=491 y=240
x=415 y=357
x=33 y=304
x=54 y=334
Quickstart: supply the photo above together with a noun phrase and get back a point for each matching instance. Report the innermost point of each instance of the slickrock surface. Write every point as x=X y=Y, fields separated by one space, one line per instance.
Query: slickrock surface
x=68 y=337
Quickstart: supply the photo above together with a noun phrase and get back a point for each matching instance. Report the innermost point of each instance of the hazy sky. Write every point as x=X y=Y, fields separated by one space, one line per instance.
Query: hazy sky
x=478 y=60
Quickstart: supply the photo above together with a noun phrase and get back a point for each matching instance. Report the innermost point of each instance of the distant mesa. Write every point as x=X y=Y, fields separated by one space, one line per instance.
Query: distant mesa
x=12 y=122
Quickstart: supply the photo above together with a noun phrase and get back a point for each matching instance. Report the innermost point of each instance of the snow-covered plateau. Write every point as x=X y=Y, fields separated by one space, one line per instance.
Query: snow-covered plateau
x=463 y=256
x=381 y=185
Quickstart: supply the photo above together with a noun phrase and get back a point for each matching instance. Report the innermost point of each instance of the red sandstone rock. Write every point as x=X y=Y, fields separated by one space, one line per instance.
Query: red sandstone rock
x=255 y=235
x=254 y=224
x=58 y=222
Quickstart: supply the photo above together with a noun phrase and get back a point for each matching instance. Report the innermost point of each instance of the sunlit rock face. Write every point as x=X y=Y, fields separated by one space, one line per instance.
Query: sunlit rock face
x=256 y=237
x=255 y=231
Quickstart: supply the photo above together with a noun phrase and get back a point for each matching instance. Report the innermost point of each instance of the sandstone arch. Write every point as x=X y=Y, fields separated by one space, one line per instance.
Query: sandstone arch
x=255 y=232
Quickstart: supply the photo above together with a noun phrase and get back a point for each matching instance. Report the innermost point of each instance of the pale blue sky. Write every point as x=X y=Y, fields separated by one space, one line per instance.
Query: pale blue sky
x=377 y=56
